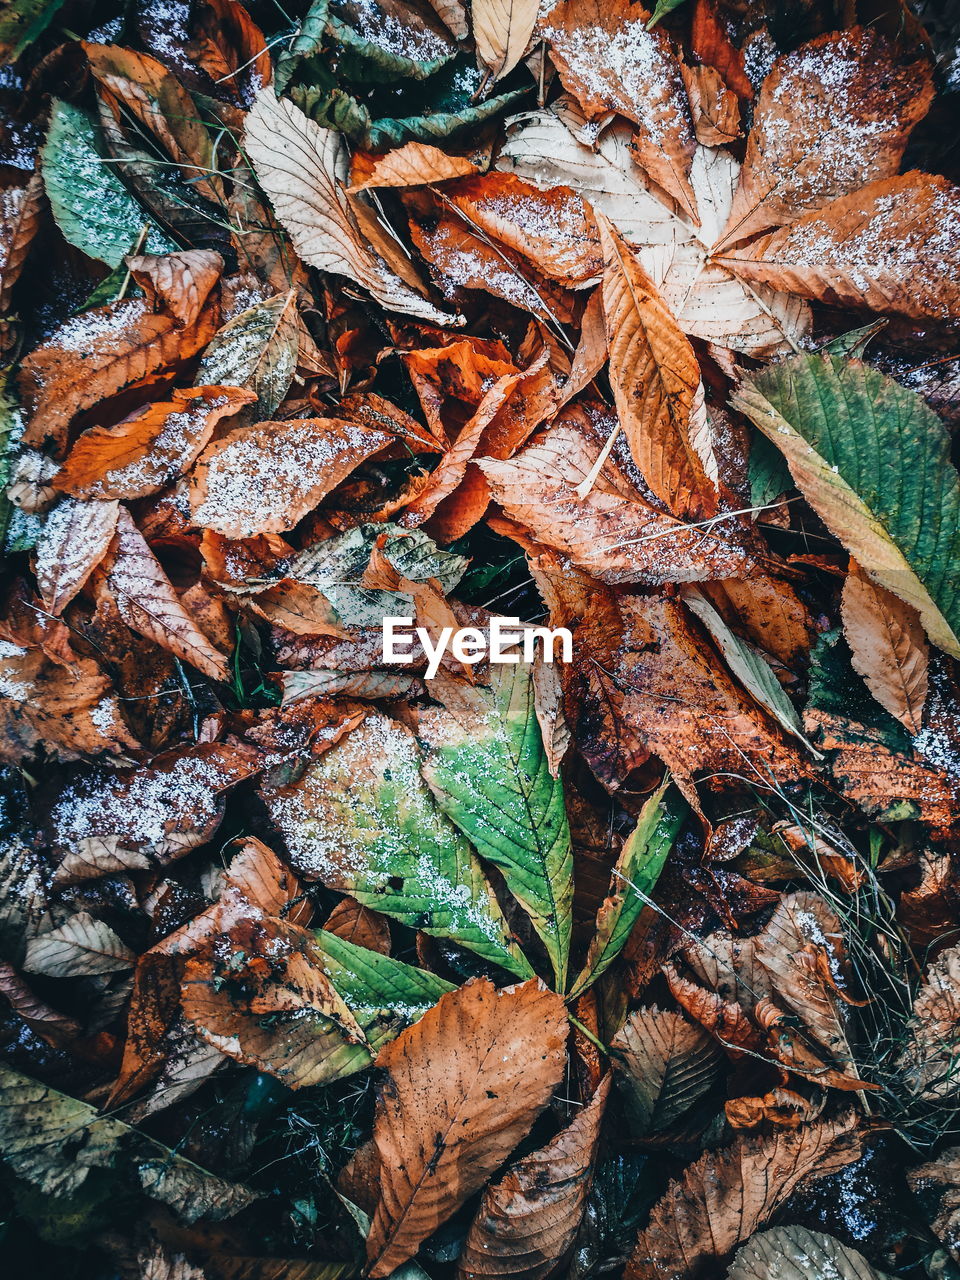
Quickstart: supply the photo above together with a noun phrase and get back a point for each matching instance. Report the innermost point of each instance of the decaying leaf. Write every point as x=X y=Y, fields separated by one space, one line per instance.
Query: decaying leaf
x=727 y=1194
x=666 y=1065
x=528 y=1220
x=795 y=1252
x=500 y=1056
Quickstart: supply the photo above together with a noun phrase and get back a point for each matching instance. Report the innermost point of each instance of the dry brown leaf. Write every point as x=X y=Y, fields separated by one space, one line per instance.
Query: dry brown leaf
x=267 y=477
x=711 y=44
x=784 y=1108
x=655 y=379
x=666 y=1063
x=142 y=86
x=149 y=605
x=56 y=1028
x=725 y=1019
x=135 y=819
x=656 y=688
x=726 y=1195
x=179 y=282
x=359 y=924
x=614 y=533
x=832 y=117
x=769 y=611
x=609 y=61
x=97 y=353
x=70 y=710
x=868 y=772
x=150 y=448
x=801 y=948
x=888 y=647
x=159 y=1048
x=415 y=164
x=891 y=247
x=554 y=229
x=303 y=168
x=502 y=30
x=527 y=1221
x=714 y=107
x=930 y=1059
x=463 y=1085
x=20 y=209
x=75 y=538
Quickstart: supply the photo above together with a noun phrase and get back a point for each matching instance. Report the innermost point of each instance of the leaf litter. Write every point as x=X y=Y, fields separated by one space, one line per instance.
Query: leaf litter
x=638 y=324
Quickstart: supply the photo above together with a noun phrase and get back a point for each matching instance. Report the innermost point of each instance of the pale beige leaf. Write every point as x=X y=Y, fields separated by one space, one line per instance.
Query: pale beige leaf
x=833 y=116
x=149 y=605
x=655 y=378
x=888 y=647
x=79 y=948
x=464 y=1085
x=267 y=477
x=502 y=30
x=707 y=300
x=894 y=246
x=415 y=164
x=796 y=1253
x=527 y=1221
x=74 y=539
x=608 y=59
x=666 y=1064
x=727 y=1194
x=302 y=168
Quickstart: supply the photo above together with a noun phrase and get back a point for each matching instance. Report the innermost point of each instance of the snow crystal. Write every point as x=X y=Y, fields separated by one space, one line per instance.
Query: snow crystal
x=12 y=684
x=83 y=332
x=168 y=22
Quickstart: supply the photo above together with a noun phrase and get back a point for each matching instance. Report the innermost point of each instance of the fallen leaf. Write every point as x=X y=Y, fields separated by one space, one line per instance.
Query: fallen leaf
x=149 y=449
x=832 y=117
x=81 y=946
x=415 y=164
x=888 y=647
x=502 y=30
x=501 y=1055
x=665 y=1064
x=360 y=925
x=75 y=538
x=266 y=478
x=727 y=1194
x=528 y=1220
x=796 y=1252
x=302 y=168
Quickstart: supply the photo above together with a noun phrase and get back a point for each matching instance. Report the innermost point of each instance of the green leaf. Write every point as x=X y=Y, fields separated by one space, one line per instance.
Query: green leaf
x=362 y=821
x=336 y=109
x=55 y=1142
x=486 y=764
x=382 y=41
x=753 y=672
x=633 y=880
x=335 y=567
x=22 y=22
x=91 y=206
x=662 y=9
x=256 y=349
x=873 y=460
x=383 y=994
x=769 y=474
x=307 y=42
